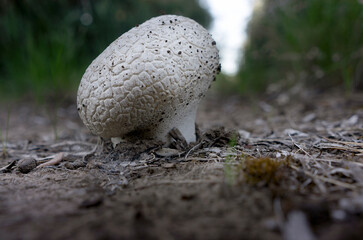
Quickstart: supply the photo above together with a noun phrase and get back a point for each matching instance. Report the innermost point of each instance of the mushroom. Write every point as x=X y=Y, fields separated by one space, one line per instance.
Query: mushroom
x=149 y=81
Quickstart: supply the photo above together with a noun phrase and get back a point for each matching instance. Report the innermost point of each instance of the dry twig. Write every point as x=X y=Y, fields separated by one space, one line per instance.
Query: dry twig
x=57 y=159
x=325 y=179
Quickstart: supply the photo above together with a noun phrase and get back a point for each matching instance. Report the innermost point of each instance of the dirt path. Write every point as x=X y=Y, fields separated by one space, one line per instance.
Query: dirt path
x=283 y=168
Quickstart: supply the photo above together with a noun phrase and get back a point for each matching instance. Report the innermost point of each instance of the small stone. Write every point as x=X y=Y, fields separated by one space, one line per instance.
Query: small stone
x=69 y=166
x=244 y=134
x=167 y=152
x=353 y=120
x=75 y=165
x=27 y=164
x=187 y=196
x=169 y=165
x=91 y=202
x=339 y=215
x=308 y=118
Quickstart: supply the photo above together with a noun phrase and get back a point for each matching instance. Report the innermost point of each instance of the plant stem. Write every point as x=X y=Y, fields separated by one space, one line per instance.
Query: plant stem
x=4 y=140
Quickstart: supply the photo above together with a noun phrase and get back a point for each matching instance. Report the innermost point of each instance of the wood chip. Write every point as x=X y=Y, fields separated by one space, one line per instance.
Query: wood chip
x=169 y=165
x=8 y=167
x=180 y=142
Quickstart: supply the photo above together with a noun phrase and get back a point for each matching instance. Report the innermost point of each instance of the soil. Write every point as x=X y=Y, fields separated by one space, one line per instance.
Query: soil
x=282 y=166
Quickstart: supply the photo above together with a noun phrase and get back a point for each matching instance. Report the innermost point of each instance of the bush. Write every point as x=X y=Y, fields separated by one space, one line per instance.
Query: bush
x=315 y=42
x=46 y=45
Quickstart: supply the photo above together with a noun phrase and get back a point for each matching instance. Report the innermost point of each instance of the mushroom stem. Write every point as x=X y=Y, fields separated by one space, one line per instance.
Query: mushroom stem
x=185 y=124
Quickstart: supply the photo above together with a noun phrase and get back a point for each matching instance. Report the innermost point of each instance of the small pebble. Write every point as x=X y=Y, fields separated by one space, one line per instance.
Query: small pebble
x=169 y=165
x=26 y=165
x=187 y=196
x=339 y=215
x=75 y=165
x=91 y=202
x=168 y=152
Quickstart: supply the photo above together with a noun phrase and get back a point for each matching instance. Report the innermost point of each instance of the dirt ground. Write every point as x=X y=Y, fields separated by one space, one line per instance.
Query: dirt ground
x=284 y=166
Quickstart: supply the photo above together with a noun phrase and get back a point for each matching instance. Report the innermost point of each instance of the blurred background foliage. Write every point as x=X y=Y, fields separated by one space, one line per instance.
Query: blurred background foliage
x=314 y=43
x=45 y=46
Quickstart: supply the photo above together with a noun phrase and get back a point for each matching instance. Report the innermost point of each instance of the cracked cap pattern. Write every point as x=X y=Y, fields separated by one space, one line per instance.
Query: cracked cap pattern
x=149 y=79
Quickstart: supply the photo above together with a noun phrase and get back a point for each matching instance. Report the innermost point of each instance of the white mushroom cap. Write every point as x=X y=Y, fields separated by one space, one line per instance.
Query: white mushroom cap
x=149 y=80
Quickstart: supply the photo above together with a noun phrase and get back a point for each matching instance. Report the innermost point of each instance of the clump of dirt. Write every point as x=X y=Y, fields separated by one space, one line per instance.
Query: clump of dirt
x=218 y=137
x=130 y=150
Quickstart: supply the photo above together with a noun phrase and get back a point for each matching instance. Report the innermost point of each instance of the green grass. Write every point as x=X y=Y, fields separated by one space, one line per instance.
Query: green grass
x=4 y=138
x=46 y=47
x=230 y=173
x=38 y=58
x=230 y=170
x=317 y=42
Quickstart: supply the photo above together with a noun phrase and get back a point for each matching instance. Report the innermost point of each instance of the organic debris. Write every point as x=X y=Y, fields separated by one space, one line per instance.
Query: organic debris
x=263 y=169
x=56 y=160
x=8 y=167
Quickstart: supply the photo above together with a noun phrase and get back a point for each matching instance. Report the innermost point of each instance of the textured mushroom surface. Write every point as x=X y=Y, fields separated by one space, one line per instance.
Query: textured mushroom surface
x=149 y=80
